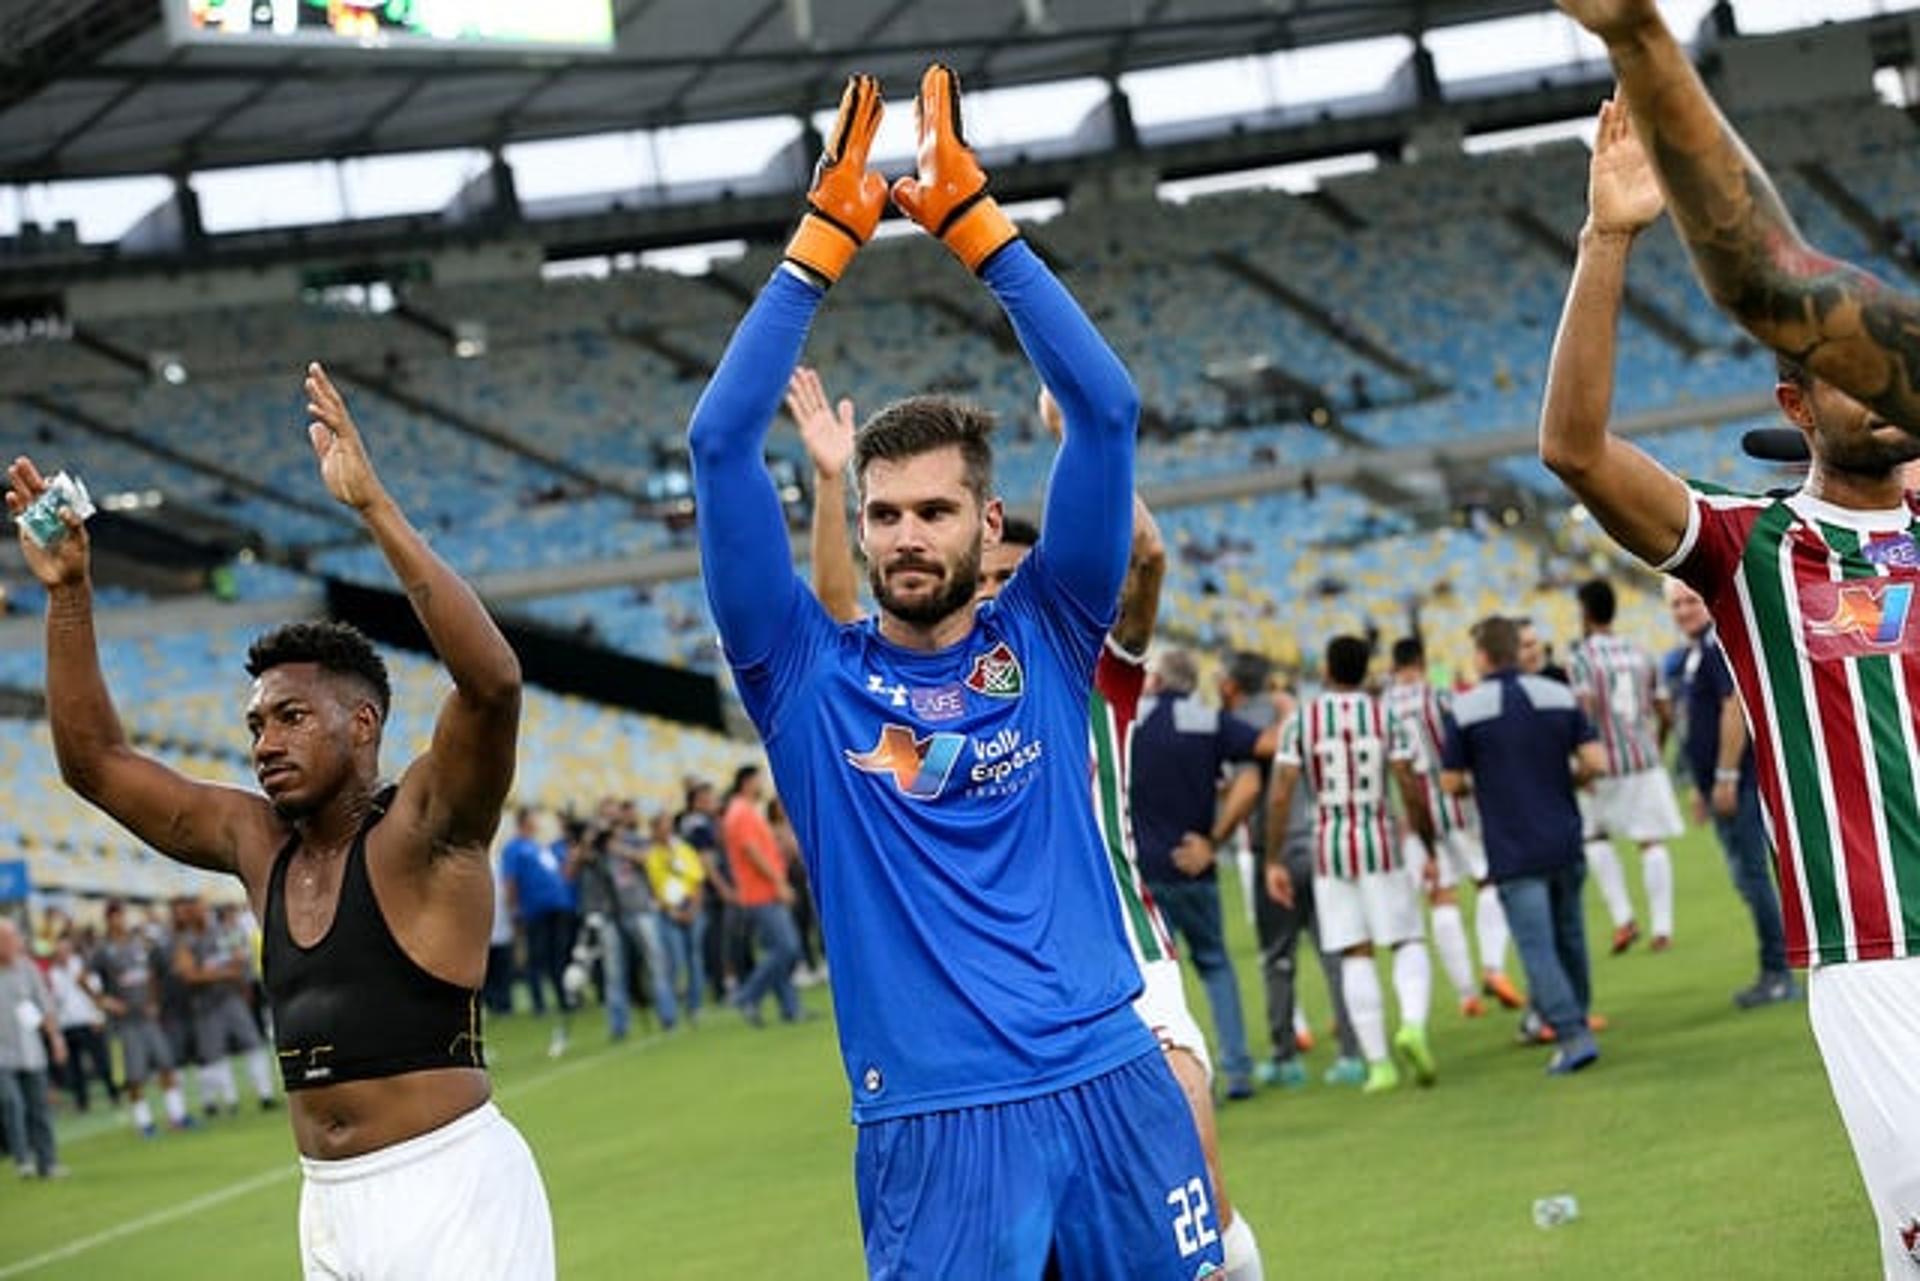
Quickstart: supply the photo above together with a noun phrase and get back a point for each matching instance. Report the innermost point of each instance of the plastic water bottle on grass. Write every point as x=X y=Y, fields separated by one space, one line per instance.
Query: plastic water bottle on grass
x=1552 y=1211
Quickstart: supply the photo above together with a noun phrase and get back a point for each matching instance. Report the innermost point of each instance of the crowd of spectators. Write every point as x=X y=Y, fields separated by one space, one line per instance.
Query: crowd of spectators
x=661 y=913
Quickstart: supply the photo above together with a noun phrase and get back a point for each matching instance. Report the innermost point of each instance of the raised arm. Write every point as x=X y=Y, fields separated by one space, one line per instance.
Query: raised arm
x=1843 y=323
x=827 y=431
x=1085 y=535
x=203 y=824
x=1643 y=505
x=1146 y=562
x=455 y=791
x=1140 y=593
x=744 y=555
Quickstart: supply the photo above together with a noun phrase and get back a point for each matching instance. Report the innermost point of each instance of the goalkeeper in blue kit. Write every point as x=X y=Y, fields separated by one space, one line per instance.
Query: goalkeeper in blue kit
x=1016 y=1118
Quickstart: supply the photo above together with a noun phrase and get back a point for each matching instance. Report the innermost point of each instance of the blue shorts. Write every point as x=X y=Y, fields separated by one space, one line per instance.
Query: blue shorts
x=1103 y=1182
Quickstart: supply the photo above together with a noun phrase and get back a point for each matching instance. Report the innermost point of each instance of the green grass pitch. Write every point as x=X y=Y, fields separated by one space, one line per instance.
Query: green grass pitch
x=1704 y=1144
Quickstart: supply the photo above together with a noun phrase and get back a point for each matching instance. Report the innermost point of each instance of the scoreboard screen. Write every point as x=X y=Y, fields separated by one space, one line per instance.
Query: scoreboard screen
x=480 y=26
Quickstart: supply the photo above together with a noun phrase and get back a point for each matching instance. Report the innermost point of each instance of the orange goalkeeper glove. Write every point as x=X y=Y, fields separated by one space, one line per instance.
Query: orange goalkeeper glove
x=950 y=198
x=846 y=199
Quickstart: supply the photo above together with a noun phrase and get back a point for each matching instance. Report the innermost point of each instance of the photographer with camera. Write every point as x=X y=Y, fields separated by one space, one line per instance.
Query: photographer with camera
x=620 y=917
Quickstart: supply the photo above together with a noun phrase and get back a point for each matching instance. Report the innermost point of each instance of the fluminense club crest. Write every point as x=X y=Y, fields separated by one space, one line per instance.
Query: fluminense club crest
x=997 y=674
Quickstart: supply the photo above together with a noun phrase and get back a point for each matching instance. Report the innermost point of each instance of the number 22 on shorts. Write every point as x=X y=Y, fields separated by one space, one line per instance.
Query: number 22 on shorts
x=1190 y=1224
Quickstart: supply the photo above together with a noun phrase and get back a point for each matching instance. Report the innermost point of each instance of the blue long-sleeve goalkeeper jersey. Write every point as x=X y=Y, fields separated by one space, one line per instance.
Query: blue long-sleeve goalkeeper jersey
x=941 y=799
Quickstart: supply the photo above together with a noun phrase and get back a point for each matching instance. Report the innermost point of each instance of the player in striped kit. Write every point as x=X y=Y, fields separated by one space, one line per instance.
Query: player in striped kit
x=1118 y=680
x=1811 y=592
x=1457 y=853
x=1619 y=688
x=1346 y=743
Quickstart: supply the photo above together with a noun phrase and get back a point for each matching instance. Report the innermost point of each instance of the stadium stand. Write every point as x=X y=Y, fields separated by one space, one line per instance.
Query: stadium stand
x=1364 y=330
x=183 y=694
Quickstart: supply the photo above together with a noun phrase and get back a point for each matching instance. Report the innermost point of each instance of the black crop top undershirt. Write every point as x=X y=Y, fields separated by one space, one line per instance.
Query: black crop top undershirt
x=355 y=1006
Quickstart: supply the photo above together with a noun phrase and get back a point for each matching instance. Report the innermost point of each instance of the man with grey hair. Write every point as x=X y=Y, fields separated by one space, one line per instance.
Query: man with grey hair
x=26 y=1010
x=1180 y=748
x=1176 y=673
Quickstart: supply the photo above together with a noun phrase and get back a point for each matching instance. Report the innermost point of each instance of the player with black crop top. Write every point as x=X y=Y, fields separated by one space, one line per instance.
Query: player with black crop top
x=377 y=901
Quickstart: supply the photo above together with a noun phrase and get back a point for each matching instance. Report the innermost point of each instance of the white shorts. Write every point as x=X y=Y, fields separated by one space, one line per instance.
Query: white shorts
x=460 y=1203
x=1866 y=1021
x=1633 y=807
x=1382 y=908
x=1462 y=858
x=1162 y=1006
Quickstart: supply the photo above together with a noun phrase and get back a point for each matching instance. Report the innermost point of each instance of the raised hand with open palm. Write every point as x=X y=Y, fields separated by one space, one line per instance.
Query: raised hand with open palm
x=1623 y=194
x=337 y=445
x=825 y=428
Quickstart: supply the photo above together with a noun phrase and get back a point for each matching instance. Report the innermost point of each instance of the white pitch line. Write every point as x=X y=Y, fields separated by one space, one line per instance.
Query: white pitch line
x=267 y=1178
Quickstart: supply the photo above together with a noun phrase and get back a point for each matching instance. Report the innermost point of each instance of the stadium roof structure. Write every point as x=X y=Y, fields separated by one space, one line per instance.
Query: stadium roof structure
x=94 y=88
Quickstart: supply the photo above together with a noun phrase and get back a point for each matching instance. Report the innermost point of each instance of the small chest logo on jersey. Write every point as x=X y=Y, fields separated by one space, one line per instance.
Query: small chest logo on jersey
x=919 y=766
x=1851 y=620
x=1892 y=551
x=942 y=703
x=896 y=694
x=997 y=674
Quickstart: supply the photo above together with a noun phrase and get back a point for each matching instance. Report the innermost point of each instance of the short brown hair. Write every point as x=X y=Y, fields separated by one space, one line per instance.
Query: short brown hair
x=921 y=424
x=1499 y=639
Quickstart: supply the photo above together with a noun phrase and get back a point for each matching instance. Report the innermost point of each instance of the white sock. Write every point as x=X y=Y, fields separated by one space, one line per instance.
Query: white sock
x=1412 y=983
x=142 y=1115
x=1490 y=924
x=257 y=1069
x=220 y=1077
x=1450 y=940
x=176 y=1104
x=1656 y=870
x=1242 y=1251
x=1605 y=865
x=1300 y=1023
x=1366 y=1006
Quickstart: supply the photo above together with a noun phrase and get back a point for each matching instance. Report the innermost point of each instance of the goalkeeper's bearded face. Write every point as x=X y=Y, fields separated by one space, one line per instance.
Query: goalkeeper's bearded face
x=923 y=531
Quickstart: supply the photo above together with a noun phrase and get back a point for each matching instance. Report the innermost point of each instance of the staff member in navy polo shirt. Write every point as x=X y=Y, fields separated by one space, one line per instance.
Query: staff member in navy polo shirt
x=1180 y=747
x=1522 y=745
x=1719 y=759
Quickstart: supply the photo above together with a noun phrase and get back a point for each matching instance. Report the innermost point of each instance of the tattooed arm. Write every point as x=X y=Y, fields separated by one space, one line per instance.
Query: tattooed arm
x=1843 y=323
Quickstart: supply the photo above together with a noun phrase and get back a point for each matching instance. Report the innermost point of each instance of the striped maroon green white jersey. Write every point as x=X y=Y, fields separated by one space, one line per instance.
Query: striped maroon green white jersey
x=1422 y=709
x=1117 y=681
x=1814 y=606
x=1343 y=742
x=1617 y=683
